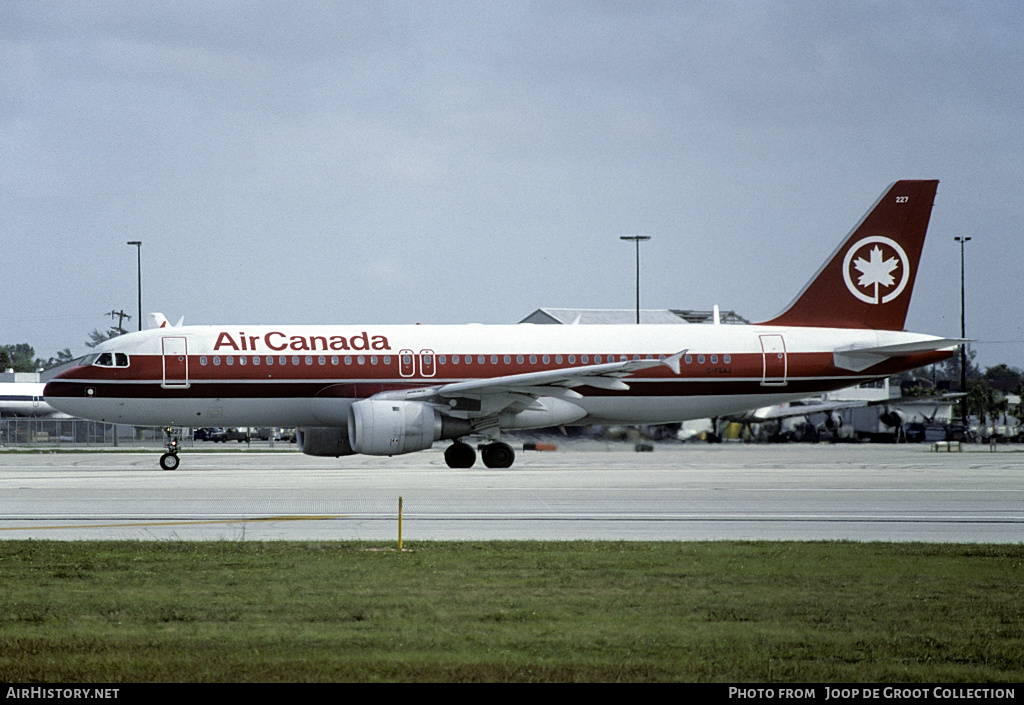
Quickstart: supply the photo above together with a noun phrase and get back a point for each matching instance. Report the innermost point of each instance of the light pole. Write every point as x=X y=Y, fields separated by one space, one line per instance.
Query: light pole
x=637 y=239
x=963 y=334
x=138 y=249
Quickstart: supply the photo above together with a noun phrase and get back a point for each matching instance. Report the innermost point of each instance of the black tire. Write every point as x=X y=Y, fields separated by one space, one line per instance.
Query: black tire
x=169 y=461
x=460 y=455
x=498 y=455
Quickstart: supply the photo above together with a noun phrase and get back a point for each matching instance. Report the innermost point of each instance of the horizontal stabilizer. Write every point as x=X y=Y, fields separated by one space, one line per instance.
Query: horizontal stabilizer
x=857 y=359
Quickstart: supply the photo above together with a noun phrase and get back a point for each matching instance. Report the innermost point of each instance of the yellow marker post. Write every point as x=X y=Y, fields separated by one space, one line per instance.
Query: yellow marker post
x=399 y=523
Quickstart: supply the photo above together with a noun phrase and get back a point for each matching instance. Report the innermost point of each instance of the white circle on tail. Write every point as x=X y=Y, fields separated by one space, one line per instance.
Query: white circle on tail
x=876 y=262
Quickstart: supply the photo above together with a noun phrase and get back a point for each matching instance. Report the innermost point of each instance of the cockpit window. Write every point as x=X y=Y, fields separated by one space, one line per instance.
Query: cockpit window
x=116 y=359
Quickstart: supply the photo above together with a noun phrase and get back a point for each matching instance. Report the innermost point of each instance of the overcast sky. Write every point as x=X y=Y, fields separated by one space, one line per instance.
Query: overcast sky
x=451 y=162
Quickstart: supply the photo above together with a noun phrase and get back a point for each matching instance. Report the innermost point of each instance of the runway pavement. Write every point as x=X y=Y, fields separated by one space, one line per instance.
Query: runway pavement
x=585 y=490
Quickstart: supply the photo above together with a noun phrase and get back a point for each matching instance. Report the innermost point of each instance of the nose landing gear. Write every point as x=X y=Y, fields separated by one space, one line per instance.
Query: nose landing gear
x=172 y=439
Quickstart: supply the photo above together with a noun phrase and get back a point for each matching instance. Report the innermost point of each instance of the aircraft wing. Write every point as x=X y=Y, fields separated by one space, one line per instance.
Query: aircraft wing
x=786 y=411
x=559 y=383
x=809 y=407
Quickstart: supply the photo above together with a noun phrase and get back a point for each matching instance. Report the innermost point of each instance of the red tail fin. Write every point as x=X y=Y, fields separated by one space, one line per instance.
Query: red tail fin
x=867 y=281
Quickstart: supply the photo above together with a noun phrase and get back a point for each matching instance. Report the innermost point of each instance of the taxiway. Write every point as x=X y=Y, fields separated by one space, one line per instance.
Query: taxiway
x=586 y=492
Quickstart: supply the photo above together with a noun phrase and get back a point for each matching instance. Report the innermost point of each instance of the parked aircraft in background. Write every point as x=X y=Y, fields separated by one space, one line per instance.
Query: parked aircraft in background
x=26 y=399
x=388 y=390
x=895 y=412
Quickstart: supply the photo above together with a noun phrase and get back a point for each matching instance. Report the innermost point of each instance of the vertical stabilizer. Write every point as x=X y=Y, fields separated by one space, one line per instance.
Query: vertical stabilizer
x=867 y=281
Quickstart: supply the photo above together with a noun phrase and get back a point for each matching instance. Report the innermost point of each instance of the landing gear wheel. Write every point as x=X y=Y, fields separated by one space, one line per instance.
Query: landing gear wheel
x=460 y=455
x=498 y=455
x=172 y=439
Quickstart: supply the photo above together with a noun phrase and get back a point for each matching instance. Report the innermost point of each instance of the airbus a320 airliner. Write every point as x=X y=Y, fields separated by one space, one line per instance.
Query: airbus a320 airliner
x=387 y=390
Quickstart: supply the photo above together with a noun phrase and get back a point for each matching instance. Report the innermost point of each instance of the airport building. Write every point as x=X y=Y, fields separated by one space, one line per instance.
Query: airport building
x=609 y=316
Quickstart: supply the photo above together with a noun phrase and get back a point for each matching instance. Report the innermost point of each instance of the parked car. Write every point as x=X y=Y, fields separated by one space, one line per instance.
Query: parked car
x=237 y=434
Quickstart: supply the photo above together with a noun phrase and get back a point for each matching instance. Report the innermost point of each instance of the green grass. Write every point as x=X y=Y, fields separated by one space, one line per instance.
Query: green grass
x=510 y=611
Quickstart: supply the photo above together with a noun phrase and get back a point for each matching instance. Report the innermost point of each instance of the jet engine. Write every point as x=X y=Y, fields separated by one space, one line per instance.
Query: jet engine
x=894 y=418
x=833 y=422
x=383 y=427
x=326 y=441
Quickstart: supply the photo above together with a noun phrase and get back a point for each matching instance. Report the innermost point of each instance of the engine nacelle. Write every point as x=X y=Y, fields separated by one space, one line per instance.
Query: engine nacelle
x=833 y=422
x=894 y=418
x=383 y=427
x=326 y=441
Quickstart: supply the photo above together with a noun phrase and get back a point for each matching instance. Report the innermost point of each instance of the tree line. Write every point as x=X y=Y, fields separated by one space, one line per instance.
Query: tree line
x=986 y=396
x=21 y=357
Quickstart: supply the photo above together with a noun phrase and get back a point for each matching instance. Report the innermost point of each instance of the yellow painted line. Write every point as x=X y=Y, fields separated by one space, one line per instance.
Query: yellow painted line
x=176 y=523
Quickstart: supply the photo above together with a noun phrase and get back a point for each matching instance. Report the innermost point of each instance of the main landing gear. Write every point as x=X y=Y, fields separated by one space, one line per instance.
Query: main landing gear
x=172 y=439
x=495 y=455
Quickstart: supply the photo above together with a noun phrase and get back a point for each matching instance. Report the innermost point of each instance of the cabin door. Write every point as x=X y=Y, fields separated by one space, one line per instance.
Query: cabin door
x=175 y=362
x=773 y=356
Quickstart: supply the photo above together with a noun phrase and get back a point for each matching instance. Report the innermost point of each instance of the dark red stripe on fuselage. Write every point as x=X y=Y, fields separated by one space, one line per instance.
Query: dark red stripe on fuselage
x=807 y=373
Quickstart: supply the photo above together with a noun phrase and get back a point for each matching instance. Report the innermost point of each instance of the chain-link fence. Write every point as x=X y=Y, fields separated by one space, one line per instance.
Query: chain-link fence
x=23 y=432
x=75 y=433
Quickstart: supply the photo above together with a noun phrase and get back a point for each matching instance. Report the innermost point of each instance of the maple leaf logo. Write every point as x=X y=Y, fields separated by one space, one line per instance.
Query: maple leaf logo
x=876 y=271
x=879 y=272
